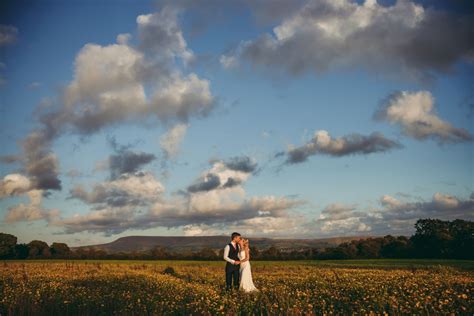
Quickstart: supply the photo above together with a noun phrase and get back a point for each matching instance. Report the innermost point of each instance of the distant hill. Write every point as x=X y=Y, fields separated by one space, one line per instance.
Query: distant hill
x=195 y=243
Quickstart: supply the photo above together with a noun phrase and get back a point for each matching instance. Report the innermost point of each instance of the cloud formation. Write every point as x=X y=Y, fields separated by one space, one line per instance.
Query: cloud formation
x=19 y=185
x=208 y=182
x=340 y=218
x=32 y=211
x=241 y=163
x=393 y=216
x=415 y=113
x=14 y=184
x=39 y=163
x=137 y=188
x=117 y=84
x=128 y=162
x=161 y=34
x=352 y=144
x=404 y=38
x=224 y=174
x=172 y=139
x=217 y=198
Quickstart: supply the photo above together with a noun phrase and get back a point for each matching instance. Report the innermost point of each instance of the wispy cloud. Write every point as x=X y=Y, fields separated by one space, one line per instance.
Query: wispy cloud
x=172 y=139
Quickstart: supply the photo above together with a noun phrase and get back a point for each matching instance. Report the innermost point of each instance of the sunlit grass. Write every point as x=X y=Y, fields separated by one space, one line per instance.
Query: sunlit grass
x=127 y=287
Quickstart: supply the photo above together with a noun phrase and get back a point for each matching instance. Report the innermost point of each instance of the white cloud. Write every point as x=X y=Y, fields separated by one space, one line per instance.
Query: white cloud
x=160 y=33
x=119 y=84
x=14 y=184
x=138 y=202
x=415 y=113
x=108 y=220
x=288 y=226
x=32 y=211
x=109 y=87
x=404 y=39
x=123 y=38
x=172 y=139
x=228 y=62
x=138 y=188
x=393 y=217
x=389 y=201
x=182 y=97
x=445 y=200
x=18 y=185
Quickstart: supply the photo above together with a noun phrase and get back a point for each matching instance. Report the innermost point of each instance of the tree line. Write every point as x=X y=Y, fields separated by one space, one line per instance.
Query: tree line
x=433 y=238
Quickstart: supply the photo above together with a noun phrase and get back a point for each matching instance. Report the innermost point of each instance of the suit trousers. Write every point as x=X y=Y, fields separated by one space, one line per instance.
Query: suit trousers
x=232 y=273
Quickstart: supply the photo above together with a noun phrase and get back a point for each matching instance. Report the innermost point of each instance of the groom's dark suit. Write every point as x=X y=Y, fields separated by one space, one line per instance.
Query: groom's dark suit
x=232 y=271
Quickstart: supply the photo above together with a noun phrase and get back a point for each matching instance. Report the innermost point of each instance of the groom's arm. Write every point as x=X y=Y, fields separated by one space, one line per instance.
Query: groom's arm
x=226 y=255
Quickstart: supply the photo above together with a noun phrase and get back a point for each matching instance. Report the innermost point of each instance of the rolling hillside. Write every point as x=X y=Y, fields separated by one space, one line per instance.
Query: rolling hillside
x=185 y=243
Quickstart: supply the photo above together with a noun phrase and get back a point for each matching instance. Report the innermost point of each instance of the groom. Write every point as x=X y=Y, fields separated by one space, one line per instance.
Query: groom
x=232 y=266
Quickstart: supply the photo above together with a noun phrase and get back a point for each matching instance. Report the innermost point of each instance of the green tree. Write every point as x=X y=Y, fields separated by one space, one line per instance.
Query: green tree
x=254 y=252
x=38 y=249
x=7 y=246
x=462 y=245
x=60 y=250
x=21 y=251
x=272 y=253
x=159 y=252
x=432 y=238
x=369 y=248
x=207 y=254
x=399 y=247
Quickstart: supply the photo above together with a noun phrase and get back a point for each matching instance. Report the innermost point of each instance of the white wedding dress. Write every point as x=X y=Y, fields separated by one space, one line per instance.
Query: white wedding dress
x=246 y=282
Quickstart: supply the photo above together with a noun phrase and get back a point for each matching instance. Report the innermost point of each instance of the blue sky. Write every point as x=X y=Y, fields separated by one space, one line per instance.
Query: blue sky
x=280 y=119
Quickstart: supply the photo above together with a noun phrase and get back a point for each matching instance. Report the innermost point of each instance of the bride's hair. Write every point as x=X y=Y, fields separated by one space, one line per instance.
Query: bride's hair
x=246 y=243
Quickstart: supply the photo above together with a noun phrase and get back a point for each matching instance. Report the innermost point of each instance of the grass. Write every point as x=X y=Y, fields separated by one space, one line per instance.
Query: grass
x=141 y=287
x=353 y=263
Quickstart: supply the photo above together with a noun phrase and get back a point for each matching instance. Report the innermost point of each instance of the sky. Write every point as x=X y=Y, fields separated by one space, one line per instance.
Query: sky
x=284 y=119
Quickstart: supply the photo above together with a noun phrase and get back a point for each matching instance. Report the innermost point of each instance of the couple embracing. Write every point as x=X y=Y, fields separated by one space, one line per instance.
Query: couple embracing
x=237 y=269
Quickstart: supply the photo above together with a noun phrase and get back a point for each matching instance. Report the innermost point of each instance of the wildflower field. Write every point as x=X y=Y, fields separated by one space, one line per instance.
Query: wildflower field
x=95 y=287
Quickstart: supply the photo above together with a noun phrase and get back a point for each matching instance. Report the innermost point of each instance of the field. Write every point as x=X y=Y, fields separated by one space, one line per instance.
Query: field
x=95 y=287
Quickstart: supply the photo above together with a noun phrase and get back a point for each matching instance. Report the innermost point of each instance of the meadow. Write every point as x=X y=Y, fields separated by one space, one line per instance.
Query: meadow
x=107 y=287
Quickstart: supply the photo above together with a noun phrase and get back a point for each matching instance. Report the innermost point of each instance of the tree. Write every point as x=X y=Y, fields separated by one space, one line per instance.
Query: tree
x=369 y=248
x=207 y=254
x=21 y=251
x=38 y=249
x=399 y=247
x=432 y=238
x=334 y=253
x=272 y=253
x=254 y=252
x=7 y=246
x=159 y=252
x=348 y=250
x=462 y=246
x=60 y=250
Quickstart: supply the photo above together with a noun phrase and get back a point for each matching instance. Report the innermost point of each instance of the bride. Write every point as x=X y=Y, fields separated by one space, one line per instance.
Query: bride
x=246 y=282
